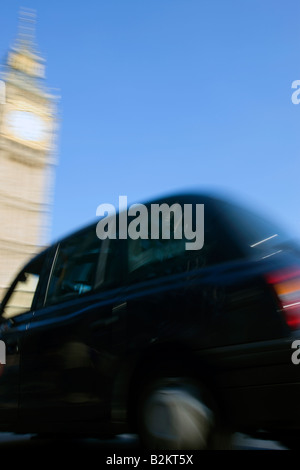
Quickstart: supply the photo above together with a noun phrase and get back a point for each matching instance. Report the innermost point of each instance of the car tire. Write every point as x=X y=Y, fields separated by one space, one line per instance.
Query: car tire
x=178 y=413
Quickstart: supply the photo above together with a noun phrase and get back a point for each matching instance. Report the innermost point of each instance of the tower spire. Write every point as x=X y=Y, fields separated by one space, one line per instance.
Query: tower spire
x=26 y=29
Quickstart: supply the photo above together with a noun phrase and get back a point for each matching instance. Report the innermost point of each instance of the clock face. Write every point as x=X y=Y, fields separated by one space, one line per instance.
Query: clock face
x=26 y=126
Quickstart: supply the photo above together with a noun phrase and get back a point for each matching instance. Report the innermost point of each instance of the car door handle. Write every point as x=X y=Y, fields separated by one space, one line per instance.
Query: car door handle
x=104 y=322
x=109 y=320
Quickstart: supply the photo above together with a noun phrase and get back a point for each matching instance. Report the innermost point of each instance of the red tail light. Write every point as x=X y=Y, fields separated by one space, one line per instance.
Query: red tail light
x=286 y=284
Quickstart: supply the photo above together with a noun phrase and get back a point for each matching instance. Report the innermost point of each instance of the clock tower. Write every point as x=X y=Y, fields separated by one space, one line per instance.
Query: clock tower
x=27 y=147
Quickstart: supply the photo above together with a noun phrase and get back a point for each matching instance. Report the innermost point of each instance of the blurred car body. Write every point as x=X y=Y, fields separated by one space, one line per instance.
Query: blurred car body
x=181 y=347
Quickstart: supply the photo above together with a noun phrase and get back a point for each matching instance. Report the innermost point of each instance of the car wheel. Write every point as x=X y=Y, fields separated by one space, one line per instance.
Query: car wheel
x=179 y=414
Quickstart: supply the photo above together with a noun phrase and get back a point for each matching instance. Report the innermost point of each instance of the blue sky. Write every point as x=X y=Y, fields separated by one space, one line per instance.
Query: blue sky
x=166 y=95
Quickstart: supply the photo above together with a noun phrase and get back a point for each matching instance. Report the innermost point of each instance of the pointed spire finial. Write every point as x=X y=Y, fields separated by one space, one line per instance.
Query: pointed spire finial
x=26 y=33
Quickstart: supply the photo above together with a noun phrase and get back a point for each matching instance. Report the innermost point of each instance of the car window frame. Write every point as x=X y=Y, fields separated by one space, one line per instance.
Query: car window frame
x=95 y=289
x=38 y=295
x=218 y=221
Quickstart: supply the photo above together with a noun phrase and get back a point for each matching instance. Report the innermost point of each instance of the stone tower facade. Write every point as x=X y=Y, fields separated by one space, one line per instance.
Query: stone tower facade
x=28 y=128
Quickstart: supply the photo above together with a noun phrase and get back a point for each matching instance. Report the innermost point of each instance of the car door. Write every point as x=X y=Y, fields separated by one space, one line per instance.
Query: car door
x=69 y=348
x=172 y=294
x=17 y=310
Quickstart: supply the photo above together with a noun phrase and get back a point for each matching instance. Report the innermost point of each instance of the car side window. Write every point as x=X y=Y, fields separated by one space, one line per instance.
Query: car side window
x=156 y=257
x=82 y=264
x=149 y=258
x=20 y=298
